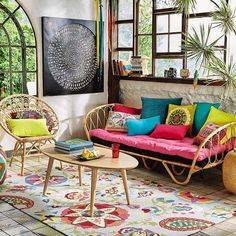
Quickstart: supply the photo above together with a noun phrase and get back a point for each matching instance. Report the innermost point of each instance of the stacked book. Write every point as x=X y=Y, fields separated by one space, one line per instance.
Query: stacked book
x=120 y=67
x=73 y=146
x=136 y=65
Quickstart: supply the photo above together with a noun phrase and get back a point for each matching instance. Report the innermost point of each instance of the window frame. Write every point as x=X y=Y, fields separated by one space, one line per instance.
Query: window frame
x=23 y=46
x=120 y=22
x=155 y=13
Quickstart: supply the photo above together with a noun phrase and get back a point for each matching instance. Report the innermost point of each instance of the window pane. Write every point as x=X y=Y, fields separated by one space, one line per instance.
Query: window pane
x=17 y=59
x=11 y=5
x=162 y=43
x=125 y=35
x=206 y=21
x=207 y=6
x=164 y=64
x=125 y=9
x=145 y=50
x=145 y=16
x=26 y=27
x=3 y=16
x=124 y=56
x=192 y=65
x=162 y=24
x=17 y=83
x=31 y=59
x=4 y=85
x=31 y=83
x=164 y=4
x=4 y=59
x=175 y=42
x=175 y=22
x=3 y=38
x=13 y=32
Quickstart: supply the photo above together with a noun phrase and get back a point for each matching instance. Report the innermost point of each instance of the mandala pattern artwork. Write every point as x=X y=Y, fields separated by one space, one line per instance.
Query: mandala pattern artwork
x=72 y=57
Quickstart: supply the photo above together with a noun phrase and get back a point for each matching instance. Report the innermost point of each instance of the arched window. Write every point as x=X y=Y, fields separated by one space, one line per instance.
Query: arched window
x=18 y=53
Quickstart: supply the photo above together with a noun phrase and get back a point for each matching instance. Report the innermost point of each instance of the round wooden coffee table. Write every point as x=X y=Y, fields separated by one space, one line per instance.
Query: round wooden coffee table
x=123 y=163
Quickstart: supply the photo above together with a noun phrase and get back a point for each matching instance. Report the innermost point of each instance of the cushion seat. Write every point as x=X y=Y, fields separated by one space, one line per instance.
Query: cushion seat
x=174 y=150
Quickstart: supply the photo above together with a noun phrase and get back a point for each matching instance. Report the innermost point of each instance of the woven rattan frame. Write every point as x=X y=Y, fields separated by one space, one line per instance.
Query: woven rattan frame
x=97 y=118
x=24 y=146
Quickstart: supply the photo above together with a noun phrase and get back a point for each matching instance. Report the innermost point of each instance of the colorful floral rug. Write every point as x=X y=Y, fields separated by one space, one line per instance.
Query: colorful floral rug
x=156 y=209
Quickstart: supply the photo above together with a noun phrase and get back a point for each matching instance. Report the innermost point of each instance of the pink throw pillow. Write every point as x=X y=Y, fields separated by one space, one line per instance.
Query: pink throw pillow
x=126 y=109
x=206 y=131
x=177 y=132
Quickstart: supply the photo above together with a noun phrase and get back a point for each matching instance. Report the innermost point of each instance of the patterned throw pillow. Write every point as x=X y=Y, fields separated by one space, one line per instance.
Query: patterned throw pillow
x=206 y=131
x=31 y=114
x=117 y=121
x=181 y=115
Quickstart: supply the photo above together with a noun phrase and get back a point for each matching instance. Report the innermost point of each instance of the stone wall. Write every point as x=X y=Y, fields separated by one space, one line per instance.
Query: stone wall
x=132 y=91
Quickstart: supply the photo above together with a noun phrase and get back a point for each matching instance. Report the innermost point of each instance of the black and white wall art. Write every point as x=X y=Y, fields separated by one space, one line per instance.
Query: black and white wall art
x=69 y=57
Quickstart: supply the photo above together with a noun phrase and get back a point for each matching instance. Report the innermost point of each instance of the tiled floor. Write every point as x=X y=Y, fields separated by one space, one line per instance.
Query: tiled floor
x=15 y=222
x=209 y=183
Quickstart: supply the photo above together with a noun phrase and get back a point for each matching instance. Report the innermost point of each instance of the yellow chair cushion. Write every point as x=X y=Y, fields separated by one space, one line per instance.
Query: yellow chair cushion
x=28 y=127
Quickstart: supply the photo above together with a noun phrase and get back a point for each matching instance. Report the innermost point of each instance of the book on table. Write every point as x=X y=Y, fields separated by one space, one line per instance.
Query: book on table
x=74 y=143
x=78 y=151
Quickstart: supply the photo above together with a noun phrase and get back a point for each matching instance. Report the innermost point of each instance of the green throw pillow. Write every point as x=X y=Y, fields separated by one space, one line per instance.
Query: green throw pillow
x=201 y=114
x=220 y=118
x=28 y=127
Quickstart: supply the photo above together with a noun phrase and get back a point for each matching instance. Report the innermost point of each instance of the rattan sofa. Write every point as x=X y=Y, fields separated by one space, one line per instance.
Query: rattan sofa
x=175 y=166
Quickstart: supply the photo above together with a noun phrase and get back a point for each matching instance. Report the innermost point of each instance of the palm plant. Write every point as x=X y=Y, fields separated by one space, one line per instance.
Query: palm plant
x=199 y=47
x=227 y=72
x=185 y=5
x=223 y=18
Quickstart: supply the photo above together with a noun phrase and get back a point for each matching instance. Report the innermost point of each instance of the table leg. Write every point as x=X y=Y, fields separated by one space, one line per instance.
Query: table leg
x=124 y=178
x=49 y=169
x=80 y=170
x=93 y=189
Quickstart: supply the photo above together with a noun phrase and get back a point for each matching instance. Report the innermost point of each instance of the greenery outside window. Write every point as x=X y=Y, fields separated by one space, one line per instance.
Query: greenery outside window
x=18 y=53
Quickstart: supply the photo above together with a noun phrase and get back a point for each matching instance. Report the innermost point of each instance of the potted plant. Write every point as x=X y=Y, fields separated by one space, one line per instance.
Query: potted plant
x=197 y=45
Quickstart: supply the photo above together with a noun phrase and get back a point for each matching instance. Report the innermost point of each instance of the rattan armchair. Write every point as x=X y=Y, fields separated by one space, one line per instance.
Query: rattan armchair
x=21 y=104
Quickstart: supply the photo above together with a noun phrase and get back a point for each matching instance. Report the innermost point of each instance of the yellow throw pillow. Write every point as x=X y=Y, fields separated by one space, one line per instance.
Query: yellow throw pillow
x=28 y=127
x=221 y=118
x=181 y=115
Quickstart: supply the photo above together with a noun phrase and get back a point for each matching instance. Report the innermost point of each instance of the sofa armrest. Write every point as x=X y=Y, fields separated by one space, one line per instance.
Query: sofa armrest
x=231 y=133
x=97 y=118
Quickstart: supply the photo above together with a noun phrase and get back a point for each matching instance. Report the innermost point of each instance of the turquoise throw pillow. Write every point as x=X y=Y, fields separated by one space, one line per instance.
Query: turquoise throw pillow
x=201 y=114
x=157 y=107
x=142 y=126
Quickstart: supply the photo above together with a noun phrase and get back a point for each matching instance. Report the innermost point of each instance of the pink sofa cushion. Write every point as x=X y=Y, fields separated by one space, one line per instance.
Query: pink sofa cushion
x=183 y=148
x=177 y=132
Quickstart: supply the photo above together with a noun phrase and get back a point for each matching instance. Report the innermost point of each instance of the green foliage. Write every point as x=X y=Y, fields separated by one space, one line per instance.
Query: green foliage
x=224 y=17
x=227 y=72
x=199 y=47
x=145 y=27
x=11 y=81
x=185 y=5
x=145 y=49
